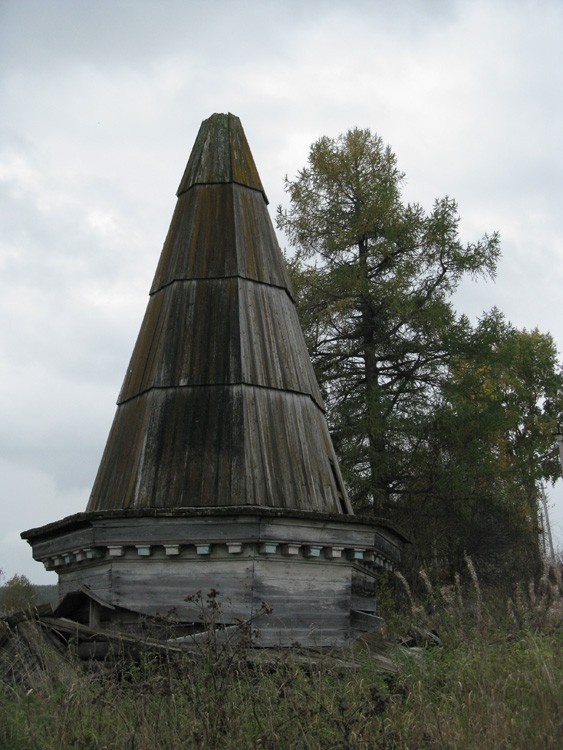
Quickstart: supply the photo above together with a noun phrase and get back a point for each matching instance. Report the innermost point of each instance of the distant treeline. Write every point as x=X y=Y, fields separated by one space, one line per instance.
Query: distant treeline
x=46 y=594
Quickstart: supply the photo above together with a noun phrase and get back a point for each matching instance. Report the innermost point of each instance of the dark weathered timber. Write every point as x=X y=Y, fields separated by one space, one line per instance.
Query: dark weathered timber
x=221 y=154
x=221 y=231
x=230 y=446
x=220 y=405
x=219 y=332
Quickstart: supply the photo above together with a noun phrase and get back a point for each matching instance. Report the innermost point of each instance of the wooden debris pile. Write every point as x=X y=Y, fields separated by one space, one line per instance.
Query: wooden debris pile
x=40 y=650
x=32 y=656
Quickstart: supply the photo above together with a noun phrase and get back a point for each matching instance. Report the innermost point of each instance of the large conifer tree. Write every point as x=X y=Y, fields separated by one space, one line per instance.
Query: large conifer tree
x=375 y=278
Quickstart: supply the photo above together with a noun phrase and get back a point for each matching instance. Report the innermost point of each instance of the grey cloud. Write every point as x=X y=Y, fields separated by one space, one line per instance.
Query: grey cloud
x=99 y=106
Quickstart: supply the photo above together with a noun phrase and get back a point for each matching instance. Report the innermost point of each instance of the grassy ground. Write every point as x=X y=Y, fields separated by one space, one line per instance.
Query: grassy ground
x=494 y=681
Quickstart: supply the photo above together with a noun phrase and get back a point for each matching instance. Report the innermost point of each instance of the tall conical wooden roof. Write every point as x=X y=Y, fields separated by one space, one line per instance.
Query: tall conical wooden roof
x=220 y=405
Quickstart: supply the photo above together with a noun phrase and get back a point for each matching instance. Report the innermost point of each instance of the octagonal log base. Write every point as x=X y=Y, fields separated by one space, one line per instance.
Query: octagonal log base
x=295 y=577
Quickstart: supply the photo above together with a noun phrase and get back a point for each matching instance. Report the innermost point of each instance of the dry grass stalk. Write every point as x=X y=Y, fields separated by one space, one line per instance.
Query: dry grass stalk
x=458 y=592
x=416 y=610
x=428 y=586
x=476 y=586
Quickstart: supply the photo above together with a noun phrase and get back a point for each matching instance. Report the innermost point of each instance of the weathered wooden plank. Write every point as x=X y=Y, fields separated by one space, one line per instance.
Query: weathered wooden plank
x=181 y=530
x=364 y=590
x=173 y=448
x=388 y=543
x=273 y=350
x=310 y=601
x=189 y=336
x=220 y=332
x=258 y=253
x=98 y=578
x=55 y=544
x=153 y=587
x=364 y=622
x=221 y=154
x=288 y=453
x=236 y=445
x=217 y=232
x=307 y=532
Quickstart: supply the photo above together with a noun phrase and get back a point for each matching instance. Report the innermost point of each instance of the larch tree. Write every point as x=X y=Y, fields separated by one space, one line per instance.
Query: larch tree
x=374 y=278
x=378 y=284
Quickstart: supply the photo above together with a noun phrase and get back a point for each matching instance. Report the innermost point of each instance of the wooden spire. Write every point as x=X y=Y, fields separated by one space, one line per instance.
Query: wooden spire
x=220 y=405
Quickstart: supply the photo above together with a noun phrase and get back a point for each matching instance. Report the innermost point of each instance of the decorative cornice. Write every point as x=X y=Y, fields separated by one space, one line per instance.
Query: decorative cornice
x=113 y=553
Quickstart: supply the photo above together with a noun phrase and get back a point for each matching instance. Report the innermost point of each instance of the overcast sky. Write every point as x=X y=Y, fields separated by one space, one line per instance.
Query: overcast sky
x=100 y=103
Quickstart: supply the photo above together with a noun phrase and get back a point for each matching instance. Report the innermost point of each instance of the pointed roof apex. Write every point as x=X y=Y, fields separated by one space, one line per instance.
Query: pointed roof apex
x=221 y=155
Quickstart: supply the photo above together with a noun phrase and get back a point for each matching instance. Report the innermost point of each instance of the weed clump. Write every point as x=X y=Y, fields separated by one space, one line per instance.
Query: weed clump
x=457 y=667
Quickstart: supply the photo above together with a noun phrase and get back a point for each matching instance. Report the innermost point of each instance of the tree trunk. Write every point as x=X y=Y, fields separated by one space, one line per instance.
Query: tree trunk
x=374 y=432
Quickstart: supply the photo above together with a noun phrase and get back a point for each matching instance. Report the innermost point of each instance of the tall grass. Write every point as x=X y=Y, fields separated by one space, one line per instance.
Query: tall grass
x=484 y=672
